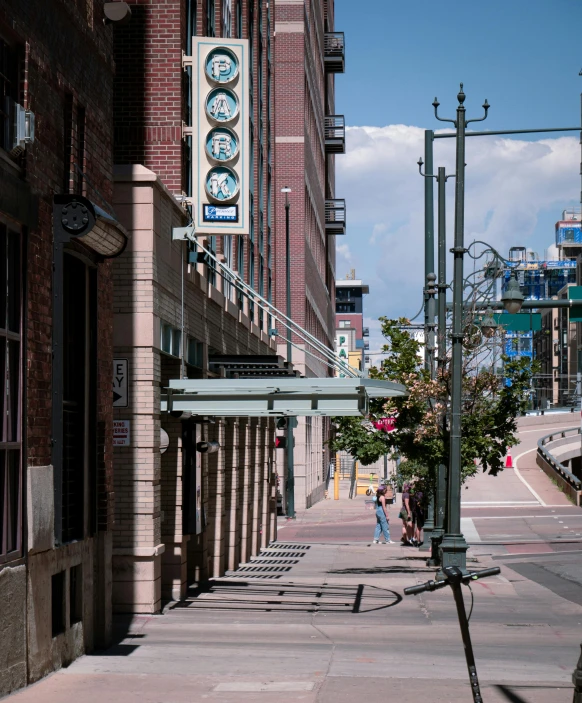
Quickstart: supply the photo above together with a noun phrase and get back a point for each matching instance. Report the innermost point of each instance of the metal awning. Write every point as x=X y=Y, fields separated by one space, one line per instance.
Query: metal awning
x=272 y=397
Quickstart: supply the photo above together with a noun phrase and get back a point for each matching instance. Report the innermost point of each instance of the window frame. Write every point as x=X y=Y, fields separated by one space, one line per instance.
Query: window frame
x=10 y=518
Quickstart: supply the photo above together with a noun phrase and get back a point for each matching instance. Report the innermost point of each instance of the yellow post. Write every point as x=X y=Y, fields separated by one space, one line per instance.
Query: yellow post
x=336 y=477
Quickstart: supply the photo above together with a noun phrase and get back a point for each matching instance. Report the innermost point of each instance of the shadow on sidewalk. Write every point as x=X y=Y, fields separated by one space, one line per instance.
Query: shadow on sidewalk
x=379 y=570
x=236 y=595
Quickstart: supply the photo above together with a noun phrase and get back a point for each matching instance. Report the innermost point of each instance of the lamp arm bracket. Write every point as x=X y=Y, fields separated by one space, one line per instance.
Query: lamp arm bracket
x=486 y=107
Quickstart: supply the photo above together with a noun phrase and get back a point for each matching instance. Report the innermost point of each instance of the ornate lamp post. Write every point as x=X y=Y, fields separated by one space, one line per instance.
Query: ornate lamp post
x=453 y=549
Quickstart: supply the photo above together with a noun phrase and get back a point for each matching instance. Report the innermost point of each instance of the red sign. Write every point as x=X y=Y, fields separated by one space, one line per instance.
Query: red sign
x=386 y=424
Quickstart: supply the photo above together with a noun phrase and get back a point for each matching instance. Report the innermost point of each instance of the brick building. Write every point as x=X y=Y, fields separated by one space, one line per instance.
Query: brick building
x=56 y=323
x=308 y=135
x=182 y=516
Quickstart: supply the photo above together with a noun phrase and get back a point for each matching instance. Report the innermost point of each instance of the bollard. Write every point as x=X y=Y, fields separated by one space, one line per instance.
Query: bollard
x=336 y=477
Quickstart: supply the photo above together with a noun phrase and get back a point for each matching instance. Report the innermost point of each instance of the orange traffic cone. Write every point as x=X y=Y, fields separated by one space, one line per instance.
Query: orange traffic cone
x=508 y=461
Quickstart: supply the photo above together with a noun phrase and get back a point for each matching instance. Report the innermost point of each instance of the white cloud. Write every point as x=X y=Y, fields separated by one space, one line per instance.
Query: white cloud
x=509 y=184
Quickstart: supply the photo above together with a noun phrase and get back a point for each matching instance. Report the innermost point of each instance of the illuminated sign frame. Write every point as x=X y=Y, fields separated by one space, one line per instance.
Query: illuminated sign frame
x=205 y=166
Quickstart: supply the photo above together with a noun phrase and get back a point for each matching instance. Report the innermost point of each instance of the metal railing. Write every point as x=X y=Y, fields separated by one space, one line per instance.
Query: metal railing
x=335 y=216
x=334 y=52
x=551 y=460
x=335 y=134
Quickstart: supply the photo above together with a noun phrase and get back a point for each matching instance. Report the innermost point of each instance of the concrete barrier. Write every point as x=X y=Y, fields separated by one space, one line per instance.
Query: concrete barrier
x=561 y=440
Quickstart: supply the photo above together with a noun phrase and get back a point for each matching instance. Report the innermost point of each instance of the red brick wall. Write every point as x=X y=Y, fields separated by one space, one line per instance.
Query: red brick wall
x=148 y=89
x=67 y=51
x=301 y=103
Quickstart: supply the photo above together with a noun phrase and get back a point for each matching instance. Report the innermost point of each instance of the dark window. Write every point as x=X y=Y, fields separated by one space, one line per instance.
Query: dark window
x=75 y=594
x=79 y=427
x=238 y=19
x=10 y=394
x=58 y=603
x=8 y=93
x=210 y=19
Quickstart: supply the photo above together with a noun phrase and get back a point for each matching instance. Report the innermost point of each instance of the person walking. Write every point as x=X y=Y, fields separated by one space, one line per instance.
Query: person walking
x=417 y=509
x=406 y=516
x=382 y=519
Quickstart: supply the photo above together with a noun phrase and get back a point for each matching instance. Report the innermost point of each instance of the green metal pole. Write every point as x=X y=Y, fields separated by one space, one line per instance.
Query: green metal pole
x=453 y=549
x=429 y=313
x=441 y=487
x=290 y=502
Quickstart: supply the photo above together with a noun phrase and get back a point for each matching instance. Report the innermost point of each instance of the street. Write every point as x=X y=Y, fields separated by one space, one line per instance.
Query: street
x=320 y=615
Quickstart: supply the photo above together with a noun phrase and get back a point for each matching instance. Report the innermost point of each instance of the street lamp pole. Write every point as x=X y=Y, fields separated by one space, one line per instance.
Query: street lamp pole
x=441 y=484
x=453 y=549
x=429 y=313
x=290 y=497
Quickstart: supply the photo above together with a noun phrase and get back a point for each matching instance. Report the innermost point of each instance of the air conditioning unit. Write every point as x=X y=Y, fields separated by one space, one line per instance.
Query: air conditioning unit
x=23 y=127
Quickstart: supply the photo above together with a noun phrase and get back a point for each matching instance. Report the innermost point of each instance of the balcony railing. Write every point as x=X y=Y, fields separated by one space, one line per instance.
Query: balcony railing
x=335 y=134
x=335 y=216
x=334 y=52
x=365 y=331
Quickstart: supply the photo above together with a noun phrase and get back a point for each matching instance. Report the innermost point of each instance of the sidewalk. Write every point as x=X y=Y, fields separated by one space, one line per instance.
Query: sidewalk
x=326 y=622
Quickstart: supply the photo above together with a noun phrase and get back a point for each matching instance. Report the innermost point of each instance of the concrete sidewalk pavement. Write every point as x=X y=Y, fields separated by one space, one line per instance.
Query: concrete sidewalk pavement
x=327 y=623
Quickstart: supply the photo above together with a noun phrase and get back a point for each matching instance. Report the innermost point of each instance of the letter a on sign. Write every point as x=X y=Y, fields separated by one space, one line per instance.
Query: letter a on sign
x=120 y=383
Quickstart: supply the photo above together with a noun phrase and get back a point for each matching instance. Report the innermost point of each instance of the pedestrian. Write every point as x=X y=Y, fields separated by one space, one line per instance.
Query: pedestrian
x=405 y=515
x=417 y=509
x=382 y=519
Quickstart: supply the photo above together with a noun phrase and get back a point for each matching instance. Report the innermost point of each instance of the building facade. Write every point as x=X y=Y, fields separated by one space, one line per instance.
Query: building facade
x=308 y=53
x=56 y=322
x=352 y=338
x=555 y=347
x=182 y=516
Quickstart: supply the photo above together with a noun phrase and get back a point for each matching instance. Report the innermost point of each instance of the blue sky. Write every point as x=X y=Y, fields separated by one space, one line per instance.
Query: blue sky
x=524 y=57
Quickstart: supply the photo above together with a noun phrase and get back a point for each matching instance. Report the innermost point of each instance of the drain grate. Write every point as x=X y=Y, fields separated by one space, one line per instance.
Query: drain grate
x=282 y=555
x=293 y=547
x=275 y=561
x=263 y=569
x=264 y=577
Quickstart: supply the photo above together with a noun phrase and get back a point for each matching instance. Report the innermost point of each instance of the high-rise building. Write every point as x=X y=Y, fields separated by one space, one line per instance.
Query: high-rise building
x=194 y=142
x=352 y=338
x=308 y=135
x=56 y=316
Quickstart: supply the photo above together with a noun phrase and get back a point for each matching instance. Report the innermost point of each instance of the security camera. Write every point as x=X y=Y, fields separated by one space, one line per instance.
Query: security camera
x=207 y=447
x=116 y=12
x=181 y=414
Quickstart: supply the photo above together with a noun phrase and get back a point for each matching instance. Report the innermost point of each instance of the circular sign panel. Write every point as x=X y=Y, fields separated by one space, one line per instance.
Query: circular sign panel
x=221 y=105
x=222 y=184
x=221 y=144
x=221 y=65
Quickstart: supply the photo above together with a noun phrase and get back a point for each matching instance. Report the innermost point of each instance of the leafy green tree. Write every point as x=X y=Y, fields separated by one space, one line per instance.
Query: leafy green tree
x=490 y=408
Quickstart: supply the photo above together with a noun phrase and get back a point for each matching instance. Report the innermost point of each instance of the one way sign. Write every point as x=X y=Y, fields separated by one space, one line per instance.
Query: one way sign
x=120 y=384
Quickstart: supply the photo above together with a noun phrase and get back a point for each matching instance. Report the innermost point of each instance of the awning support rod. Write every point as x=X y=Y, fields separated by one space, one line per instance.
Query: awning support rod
x=228 y=274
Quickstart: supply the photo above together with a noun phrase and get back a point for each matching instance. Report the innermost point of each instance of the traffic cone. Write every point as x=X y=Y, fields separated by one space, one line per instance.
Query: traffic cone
x=508 y=461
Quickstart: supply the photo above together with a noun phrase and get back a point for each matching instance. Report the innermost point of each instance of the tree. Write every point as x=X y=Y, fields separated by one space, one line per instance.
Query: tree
x=490 y=408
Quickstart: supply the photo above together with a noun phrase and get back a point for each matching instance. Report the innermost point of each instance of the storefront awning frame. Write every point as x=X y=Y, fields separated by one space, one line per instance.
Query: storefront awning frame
x=276 y=397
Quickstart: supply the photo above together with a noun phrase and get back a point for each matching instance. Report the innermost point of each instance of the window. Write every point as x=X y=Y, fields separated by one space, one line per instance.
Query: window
x=74 y=146
x=210 y=19
x=58 y=603
x=238 y=19
x=195 y=353
x=211 y=265
x=226 y=18
x=8 y=93
x=10 y=394
x=75 y=594
x=171 y=340
x=79 y=380
x=227 y=245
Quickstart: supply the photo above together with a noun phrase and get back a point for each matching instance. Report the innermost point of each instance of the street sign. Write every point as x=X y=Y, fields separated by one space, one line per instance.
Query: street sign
x=121 y=434
x=120 y=383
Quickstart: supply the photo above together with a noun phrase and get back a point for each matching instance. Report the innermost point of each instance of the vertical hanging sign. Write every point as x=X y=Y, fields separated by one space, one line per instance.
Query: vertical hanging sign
x=220 y=135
